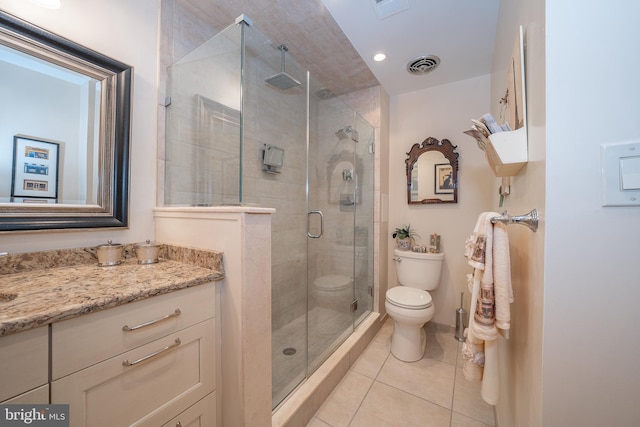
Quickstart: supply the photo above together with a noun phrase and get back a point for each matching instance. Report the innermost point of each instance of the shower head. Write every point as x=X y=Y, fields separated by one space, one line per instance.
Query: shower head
x=324 y=93
x=282 y=80
x=343 y=133
x=347 y=132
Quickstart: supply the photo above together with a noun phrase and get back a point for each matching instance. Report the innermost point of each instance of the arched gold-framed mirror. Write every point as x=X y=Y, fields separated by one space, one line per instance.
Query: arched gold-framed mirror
x=432 y=172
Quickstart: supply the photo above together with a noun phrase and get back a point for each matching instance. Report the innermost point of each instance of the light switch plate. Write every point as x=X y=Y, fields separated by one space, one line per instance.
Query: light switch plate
x=620 y=173
x=630 y=172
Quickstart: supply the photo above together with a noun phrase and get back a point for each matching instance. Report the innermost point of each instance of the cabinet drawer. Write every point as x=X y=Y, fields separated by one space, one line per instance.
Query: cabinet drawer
x=38 y=396
x=24 y=361
x=159 y=384
x=202 y=414
x=87 y=340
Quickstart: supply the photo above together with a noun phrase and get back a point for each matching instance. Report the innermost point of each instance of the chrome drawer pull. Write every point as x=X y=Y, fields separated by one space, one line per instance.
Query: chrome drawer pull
x=152 y=322
x=155 y=353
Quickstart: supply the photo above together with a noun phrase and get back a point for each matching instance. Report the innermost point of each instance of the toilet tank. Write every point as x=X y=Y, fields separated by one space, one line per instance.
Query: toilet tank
x=418 y=270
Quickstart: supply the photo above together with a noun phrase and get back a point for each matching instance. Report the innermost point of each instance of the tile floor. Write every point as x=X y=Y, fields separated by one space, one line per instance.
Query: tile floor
x=379 y=390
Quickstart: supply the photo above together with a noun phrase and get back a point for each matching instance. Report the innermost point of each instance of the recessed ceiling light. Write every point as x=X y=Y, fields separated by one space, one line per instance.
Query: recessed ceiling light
x=49 y=4
x=379 y=57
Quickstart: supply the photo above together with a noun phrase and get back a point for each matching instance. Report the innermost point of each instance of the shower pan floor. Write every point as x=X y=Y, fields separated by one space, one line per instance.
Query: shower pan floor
x=327 y=329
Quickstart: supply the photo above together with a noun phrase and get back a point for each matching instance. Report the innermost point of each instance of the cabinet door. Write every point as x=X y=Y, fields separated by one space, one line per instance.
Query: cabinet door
x=202 y=414
x=146 y=386
x=24 y=361
x=38 y=396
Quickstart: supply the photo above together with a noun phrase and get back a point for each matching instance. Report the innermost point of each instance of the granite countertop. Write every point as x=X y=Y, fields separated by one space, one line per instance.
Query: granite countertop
x=46 y=287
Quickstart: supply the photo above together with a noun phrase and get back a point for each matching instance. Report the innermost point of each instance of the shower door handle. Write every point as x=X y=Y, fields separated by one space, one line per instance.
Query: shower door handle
x=309 y=234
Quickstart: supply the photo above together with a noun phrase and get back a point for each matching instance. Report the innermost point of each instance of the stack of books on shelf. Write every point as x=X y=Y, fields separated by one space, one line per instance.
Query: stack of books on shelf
x=483 y=127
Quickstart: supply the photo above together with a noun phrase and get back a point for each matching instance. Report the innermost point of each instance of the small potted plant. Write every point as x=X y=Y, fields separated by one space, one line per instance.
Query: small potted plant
x=405 y=237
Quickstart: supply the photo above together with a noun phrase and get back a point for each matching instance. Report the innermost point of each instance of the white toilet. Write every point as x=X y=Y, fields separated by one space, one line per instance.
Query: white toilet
x=409 y=304
x=333 y=291
x=333 y=294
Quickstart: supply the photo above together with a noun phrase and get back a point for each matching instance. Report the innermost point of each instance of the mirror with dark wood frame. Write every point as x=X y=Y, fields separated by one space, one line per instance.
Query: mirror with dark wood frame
x=64 y=139
x=432 y=172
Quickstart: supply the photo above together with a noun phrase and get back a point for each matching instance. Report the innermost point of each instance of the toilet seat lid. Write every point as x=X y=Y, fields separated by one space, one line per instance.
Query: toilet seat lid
x=332 y=282
x=411 y=298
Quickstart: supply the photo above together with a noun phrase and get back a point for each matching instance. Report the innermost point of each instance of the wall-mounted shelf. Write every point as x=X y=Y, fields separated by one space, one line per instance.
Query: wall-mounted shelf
x=507 y=152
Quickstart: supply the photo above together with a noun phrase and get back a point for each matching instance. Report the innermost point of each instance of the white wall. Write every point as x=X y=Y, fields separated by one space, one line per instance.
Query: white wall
x=521 y=356
x=441 y=112
x=128 y=32
x=34 y=109
x=591 y=336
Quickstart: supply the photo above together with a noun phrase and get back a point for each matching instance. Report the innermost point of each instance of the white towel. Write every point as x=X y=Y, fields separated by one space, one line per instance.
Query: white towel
x=473 y=348
x=487 y=250
x=484 y=320
x=489 y=390
x=503 y=290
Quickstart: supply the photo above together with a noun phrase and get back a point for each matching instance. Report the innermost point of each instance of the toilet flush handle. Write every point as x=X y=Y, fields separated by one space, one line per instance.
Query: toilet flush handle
x=397 y=259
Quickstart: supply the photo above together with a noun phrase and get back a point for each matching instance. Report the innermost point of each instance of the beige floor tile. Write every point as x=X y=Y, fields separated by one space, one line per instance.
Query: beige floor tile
x=387 y=406
x=344 y=401
x=384 y=391
x=459 y=420
x=441 y=346
x=429 y=379
x=467 y=400
x=459 y=358
x=372 y=358
x=317 y=423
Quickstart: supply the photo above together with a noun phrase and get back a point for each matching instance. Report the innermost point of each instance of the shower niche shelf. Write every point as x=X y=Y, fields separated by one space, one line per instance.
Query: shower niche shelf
x=272 y=158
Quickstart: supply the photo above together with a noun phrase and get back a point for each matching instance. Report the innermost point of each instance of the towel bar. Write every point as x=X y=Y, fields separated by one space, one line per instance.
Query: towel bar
x=530 y=219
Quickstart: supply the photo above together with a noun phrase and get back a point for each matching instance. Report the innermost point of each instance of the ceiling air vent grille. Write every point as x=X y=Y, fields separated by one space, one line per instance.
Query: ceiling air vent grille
x=386 y=8
x=423 y=64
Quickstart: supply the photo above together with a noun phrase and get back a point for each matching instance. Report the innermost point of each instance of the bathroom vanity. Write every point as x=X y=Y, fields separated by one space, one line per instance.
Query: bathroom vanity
x=25 y=381
x=124 y=345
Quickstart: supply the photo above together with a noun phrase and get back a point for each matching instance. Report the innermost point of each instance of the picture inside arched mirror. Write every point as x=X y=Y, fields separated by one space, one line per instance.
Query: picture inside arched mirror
x=432 y=172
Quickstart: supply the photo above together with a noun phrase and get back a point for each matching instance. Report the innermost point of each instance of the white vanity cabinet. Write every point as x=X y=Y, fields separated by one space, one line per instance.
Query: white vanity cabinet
x=37 y=396
x=202 y=414
x=24 y=366
x=139 y=364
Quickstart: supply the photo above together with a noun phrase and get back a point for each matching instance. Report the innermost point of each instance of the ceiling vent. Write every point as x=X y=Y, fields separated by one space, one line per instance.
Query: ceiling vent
x=386 y=8
x=423 y=64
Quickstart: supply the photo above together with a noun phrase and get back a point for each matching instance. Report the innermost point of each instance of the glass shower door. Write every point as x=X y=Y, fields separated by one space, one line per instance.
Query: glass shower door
x=364 y=220
x=332 y=200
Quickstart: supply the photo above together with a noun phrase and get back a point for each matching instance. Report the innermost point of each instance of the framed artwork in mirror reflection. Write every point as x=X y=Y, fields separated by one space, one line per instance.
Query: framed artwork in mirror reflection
x=35 y=168
x=443 y=179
